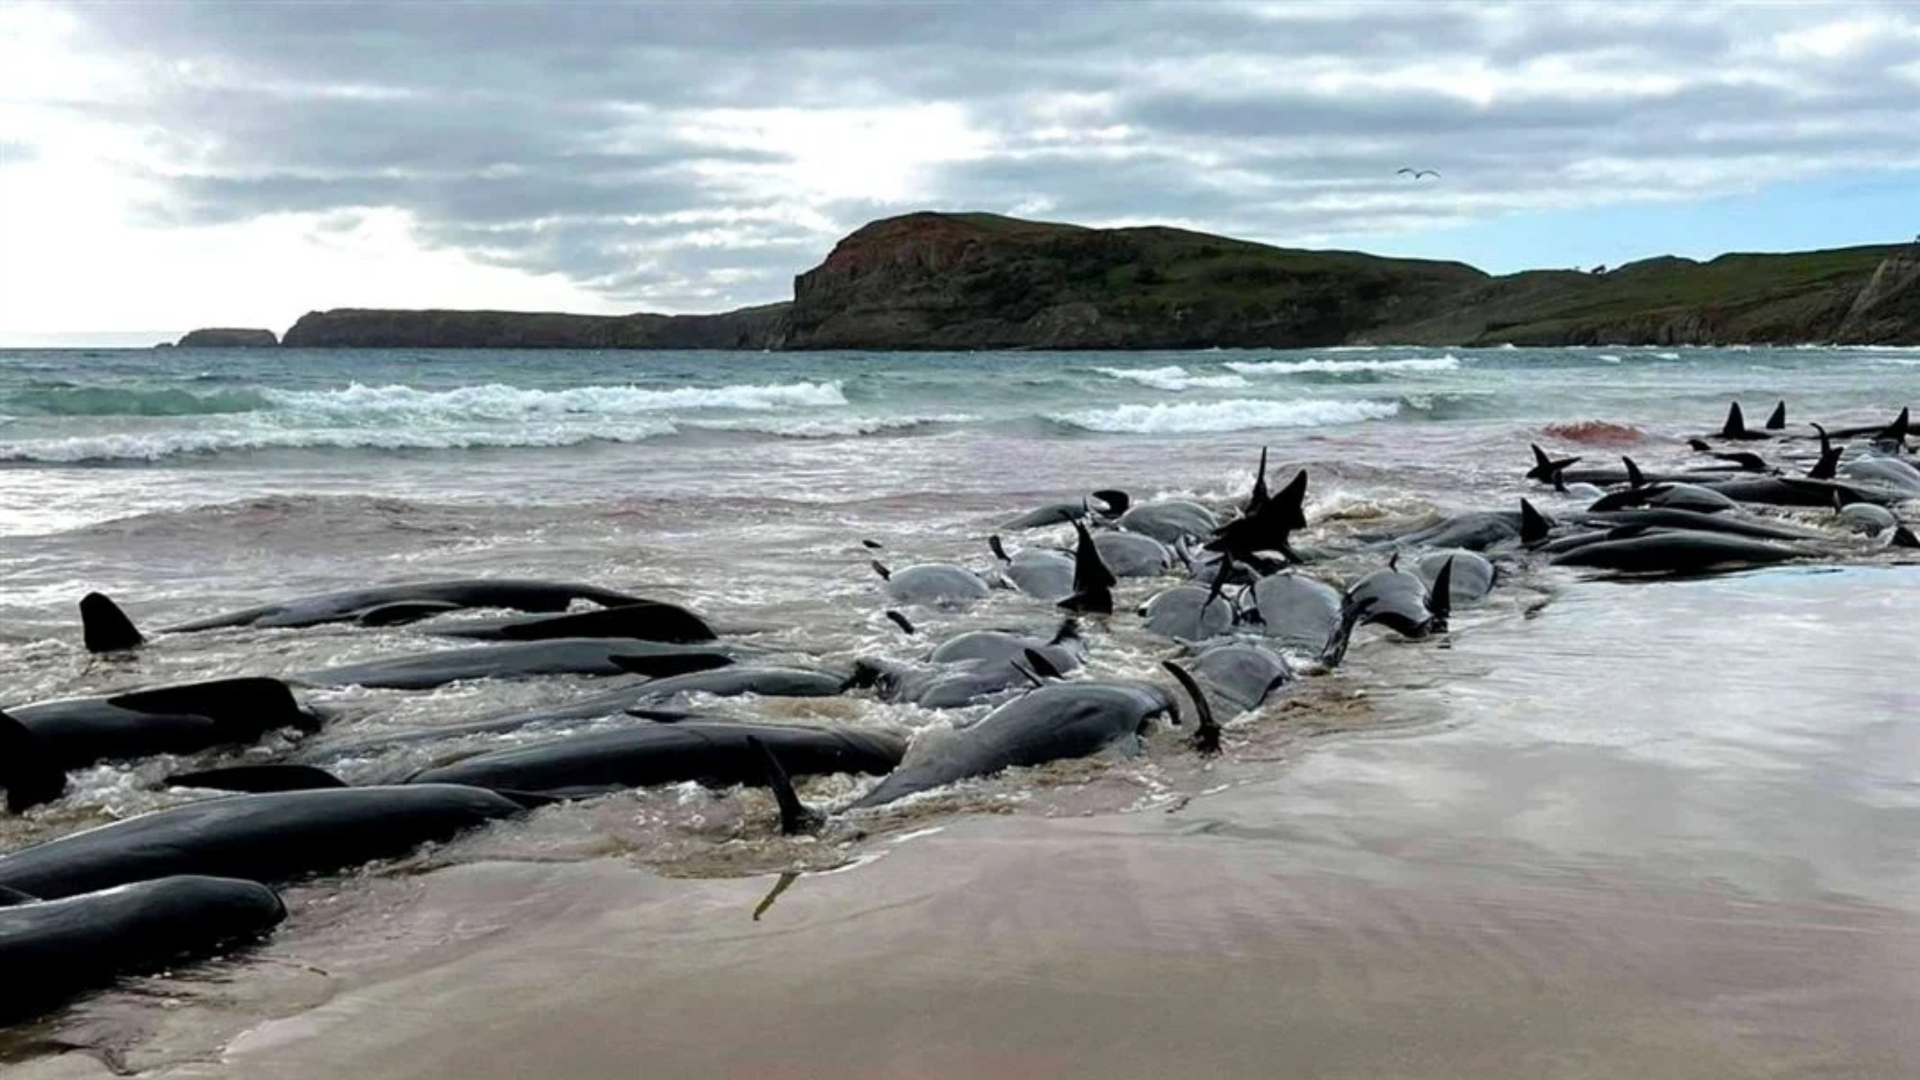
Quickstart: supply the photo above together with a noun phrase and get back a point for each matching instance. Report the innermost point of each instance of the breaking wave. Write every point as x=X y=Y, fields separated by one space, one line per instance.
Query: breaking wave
x=67 y=400
x=1239 y=414
x=1174 y=378
x=497 y=402
x=1448 y=362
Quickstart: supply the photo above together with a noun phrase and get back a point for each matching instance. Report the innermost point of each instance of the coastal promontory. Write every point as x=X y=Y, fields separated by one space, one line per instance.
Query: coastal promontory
x=983 y=281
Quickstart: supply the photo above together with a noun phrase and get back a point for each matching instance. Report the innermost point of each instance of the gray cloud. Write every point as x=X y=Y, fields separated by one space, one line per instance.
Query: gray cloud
x=599 y=140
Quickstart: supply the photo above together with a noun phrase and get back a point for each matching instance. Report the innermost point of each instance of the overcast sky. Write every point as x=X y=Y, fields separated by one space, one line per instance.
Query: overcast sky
x=169 y=165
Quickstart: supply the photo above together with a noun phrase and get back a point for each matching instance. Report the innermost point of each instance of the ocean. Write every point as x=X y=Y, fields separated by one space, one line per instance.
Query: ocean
x=1671 y=826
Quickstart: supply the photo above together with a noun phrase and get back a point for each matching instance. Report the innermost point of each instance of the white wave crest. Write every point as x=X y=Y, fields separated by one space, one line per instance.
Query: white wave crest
x=161 y=445
x=1239 y=414
x=828 y=427
x=1174 y=378
x=1448 y=362
x=383 y=404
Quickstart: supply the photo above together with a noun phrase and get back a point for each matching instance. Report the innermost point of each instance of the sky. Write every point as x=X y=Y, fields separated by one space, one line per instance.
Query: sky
x=171 y=165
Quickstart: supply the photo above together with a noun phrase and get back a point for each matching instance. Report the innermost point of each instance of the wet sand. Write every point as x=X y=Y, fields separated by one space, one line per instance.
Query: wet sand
x=1577 y=856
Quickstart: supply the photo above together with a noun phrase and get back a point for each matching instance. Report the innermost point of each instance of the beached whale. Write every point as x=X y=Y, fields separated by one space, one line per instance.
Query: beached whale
x=1042 y=573
x=1189 y=612
x=41 y=742
x=515 y=660
x=972 y=667
x=1169 y=520
x=1243 y=674
x=932 y=585
x=1404 y=602
x=1298 y=611
x=263 y=838
x=1093 y=582
x=648 y=620
x=350 y=605
x=1674 y=552
x=1106 y=504
x=52 y=950
x=713 y=752
x=1056 y=721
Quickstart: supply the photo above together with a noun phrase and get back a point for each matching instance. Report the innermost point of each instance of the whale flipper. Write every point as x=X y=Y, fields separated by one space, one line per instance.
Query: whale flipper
x=28 y=769
x=258 y=779
x=795 y=816
x=1440 y=597
x=881 y=569
x=901 y=621
x=105 y=627
x=1206 y=735
x=1778 y=421
x=1092 y=581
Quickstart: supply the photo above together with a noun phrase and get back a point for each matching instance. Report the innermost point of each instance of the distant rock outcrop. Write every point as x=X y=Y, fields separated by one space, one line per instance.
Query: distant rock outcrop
x=981 y=281
x=971 y=281
x=748 y=328
x=228 y=338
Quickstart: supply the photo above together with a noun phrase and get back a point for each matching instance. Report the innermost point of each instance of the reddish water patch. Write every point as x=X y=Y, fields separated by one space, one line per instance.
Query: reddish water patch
x=1594 y=432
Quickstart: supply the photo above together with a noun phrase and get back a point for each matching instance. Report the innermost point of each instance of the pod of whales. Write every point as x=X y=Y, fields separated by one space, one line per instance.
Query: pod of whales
x=182 y=881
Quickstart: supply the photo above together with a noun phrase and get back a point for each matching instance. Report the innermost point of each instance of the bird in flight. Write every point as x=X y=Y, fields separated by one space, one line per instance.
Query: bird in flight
x=1418 y=173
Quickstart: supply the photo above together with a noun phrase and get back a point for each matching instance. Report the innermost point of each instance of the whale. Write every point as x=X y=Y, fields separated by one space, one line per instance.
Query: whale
x=1471 y=576
x=1677 y=552
x=1403 y=601
x=516 y=594
x=931 y=585
x=582 y=765
x=1736 y=425
x=1243 y=674
x=971 y=667
x=1169 y=520
x=1268 y=527
x=511 y=660
x=648 y=620
x=1093 y=582
x=734 y=680
x=1112 y=505
x=55 y=949
x=1042 y=573
x=1297 y=611
x=1798 y=491
x=1132 y=555
x=41 y=742
x=1732 y=523
x=265 y=838
x=1189 y=612
x=1053 y=722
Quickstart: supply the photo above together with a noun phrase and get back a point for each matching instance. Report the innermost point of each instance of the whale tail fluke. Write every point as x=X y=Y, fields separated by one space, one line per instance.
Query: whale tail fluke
x=796 y=817
x=28 y=768
x=1778 y=420
x=105 y=627
x=258 y=779
x=1206 y=734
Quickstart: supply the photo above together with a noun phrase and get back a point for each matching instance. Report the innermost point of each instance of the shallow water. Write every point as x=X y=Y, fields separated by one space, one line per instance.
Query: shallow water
x=1602 y=825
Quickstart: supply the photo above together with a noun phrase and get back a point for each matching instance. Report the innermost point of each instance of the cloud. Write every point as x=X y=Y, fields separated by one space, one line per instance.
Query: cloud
x=690 y=156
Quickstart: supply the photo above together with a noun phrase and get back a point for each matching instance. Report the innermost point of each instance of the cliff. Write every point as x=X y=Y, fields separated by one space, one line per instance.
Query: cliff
x=981 y=281
x=972 y=281
x=748 y=328
x=228 y=338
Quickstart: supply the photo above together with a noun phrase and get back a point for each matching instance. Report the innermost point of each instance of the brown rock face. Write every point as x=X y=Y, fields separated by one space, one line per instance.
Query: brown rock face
x=1887 y=311
x=228 y=338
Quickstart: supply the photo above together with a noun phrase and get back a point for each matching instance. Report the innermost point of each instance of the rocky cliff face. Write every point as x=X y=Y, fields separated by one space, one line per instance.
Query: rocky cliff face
x=970 y=281
x=228 y=338
x=748 y=328
x=1887 y=310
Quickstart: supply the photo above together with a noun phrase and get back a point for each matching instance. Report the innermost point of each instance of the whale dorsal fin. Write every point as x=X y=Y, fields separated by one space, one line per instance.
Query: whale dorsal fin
x=1736 y=425
x=1635 y=478
x=1896 y=432
x=1534 y=525
x=258 y=779
x=1440 y=596
x=1293 y=501
x=28 y=768
x=1260 y=494
x=795 y=816
x=105 y=627
x=1206 y=734
x=1778 y=420
x=1828 y=465
x=1699 y=446
x=1040 y=665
